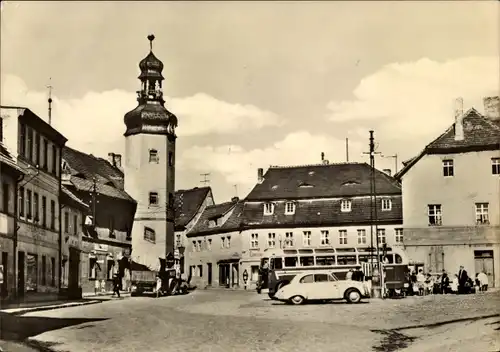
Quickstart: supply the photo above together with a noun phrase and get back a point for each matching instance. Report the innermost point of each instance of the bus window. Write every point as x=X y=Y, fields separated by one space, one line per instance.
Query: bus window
x=264 y=263
x=307 y=279
x=363 y=258
x=276 y=263
x=346 y=260
x=290 y=262
x=389 y=259
x=320 y=277
x=399 y=260
x=306 y=261
x=325 y=260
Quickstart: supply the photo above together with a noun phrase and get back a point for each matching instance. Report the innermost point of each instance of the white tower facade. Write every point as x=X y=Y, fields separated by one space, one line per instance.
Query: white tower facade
x=150 y=167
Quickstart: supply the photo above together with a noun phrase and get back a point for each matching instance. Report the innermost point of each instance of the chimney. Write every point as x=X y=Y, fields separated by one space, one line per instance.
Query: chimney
x=260 y=175
x=492 y=107
x=322 y=156
x=235 y=199
x=387 y=171
x=459 y=122
x=111 y=158
x=117 y=161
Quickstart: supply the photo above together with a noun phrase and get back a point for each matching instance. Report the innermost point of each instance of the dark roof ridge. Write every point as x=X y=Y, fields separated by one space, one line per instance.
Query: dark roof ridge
x=193 y=189
x=315 y=165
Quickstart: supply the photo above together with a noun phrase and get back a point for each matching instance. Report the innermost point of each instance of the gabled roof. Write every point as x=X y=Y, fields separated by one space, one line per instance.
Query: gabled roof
x=187 y=203
x=480 y=133
x=322 y=181
x=73 y=197
x=7 y=158
x=85 y=185
x=214 y=212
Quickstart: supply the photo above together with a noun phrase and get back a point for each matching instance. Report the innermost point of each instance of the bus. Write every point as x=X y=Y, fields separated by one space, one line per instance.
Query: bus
x=279 y=266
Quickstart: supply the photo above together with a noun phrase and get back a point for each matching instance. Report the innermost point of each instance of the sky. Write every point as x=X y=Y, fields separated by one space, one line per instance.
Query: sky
x=255 y=84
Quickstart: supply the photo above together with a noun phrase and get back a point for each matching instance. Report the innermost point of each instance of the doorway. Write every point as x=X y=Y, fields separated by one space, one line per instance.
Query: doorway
x=20 y=274
x=74 y=269
x=4 y=274
x=209 y=274
x=483 y=261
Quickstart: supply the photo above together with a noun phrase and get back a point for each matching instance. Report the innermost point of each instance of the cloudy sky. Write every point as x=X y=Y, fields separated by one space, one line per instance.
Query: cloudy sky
x=254 y=83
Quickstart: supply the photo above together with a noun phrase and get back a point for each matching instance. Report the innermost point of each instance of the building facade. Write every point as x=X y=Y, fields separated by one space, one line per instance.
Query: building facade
x=106 y=242
x=456 y=220
x=38 y=246
x=150 y=167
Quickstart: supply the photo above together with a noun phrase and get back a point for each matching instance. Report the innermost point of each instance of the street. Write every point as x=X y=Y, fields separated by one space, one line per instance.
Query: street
x=217 y=320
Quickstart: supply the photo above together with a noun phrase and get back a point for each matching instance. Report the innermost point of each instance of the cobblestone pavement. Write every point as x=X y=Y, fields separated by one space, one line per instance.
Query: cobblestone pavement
x=244 y=321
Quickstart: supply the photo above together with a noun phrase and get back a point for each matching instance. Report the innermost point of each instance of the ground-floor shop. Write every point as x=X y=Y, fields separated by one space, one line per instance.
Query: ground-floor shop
x=216 y=272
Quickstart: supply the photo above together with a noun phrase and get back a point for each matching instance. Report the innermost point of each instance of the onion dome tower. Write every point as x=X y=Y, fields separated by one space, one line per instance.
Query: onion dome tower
x=149 y=166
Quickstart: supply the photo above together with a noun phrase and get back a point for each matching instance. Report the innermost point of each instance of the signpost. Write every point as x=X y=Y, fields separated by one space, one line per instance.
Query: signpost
x=245 y=278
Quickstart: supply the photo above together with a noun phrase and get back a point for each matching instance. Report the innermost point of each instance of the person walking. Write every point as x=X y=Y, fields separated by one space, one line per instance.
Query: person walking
x=462 y=279
x=445 y=282
x=483 y=281
x=116 y=285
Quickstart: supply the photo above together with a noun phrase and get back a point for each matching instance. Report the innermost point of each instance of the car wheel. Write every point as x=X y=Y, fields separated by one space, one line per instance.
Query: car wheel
x=297 y=300
x=353 y=296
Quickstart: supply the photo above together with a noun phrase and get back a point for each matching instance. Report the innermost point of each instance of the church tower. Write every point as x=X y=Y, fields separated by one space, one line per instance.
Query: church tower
x=150 y=166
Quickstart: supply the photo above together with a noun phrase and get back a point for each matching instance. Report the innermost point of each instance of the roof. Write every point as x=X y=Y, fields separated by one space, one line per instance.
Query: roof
x=73 y=197
x=7 y=158
x=322 y=181
x=324 y=212
x=214 y=212
x=187 y=203
x=85 y=185
x=480 y=133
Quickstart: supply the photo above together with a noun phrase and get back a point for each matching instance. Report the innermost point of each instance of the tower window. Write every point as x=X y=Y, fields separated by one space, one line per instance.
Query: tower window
x=153 y=156
x=170 y=159
x=153 y=198
x=149 y=234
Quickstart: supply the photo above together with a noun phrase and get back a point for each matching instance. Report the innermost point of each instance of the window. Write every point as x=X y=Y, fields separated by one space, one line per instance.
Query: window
x=361 y=236
x=399 y=236
x=325 y=260
x=195 y=247
x=199 y=245
x=320 y=277
x=495 y=166
x=37 y=149
x=29 y=144
x=228 y=242
x=44 y=270
x=306 y=261
x=153 y=198
x=22 y=139
x=386 y=204
x=268 y=209
x=325 y=238
x=35 y=207
x=45 y=161
x=53 y=271
x=52 y=215
x=254 y=240
x=149 y=234
x=306 y=239
x=448 y=168
x=290 y=262
x=200 y=270
x=21 y=201
x=308 y=279
x=222 y=242
x=75 y=225
x=28 y=204
x=435 y=214
x=44 y=211
x=111 y=226
x=255 y=273
x=288 y=239
x=170 y=159
x=381 y=236
x=209 y=244
x=5 y=197
x=66 y=222
x=289 y=208
x=93 y=268
x=271 y=240
x=345 y=205
x=53 y=169
x=482 y=213
x=342 y=236
x=177 y=240
x=153 y=156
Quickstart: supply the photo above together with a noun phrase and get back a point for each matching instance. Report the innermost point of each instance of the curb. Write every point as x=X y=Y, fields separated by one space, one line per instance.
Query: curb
x=21 y=311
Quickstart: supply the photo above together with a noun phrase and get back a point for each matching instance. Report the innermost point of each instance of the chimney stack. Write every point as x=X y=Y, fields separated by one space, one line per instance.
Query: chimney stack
x=260 y=175
x=492 y=107
x=459 y=123
x=111 y=158
x=387 y=171
x=322 y=156
x=235 y=199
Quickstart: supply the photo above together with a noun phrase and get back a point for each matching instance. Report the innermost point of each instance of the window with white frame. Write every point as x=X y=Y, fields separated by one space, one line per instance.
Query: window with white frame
x=288 y=239
x=268 y=208
x=306 y=239
x=361 y=236
x=149 y=234
x=195 y=247
x=381 y=236
x=228 y=242
x=342 y=236
x=178 y=240
x=222 y=242
x=495 y=166
x=398 y=236
x=153 y=198
x=448 y=170
x=153 y=156
x=325 y=238
x=199 y=245
x=345 y=205
x=209 y=244
x=254 y=240
x=435 y=214
x=271 y=240
x=482 y=213
x=386 y=204
x=289 y=208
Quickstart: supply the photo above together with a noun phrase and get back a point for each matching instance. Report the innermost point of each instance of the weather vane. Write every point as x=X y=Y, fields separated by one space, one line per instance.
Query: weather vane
x=151 y=37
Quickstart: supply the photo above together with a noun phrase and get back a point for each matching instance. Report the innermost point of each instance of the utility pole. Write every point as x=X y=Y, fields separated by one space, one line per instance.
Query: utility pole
x=94 y=201
x=205 y=180
x=50 y=100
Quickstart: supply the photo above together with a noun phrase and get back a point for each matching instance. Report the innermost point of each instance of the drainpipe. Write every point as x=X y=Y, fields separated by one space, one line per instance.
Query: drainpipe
x=58 y=169
x=16 y=214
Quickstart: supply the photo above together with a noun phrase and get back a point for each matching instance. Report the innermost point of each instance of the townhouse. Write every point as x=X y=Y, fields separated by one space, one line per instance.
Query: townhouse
x=451 y=196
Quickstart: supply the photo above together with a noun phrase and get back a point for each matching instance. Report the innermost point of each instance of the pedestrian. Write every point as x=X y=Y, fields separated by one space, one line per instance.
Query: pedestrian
x=462 y=279
x=483 y=281
x=97 y=286
x=445 y=282
x=116 y=285
x=348 y=276
x=158 y=286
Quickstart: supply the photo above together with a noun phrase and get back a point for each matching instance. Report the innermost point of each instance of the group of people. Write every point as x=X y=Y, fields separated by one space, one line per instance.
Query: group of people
x=356 y=275
x=461 y=283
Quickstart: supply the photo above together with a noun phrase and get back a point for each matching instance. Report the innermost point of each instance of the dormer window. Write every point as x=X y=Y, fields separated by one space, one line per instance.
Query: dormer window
x=268 y=209
x=345 y=205
x=153 y=156
x=289 y=208
x=386 y=204
x=153 y=198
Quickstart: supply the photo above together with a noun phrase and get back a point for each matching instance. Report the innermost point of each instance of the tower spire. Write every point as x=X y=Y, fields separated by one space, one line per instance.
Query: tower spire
x=151 y=37
x=49 y=86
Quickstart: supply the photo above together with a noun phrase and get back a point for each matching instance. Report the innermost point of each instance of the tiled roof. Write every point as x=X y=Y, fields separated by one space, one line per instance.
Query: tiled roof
x=187 y=203
x=7 y=158
x=322 y=181
x=480 y=133
x=211 y=213
x=73 y=197
x=321 y=213
x=85 y=185
x=91 y=166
